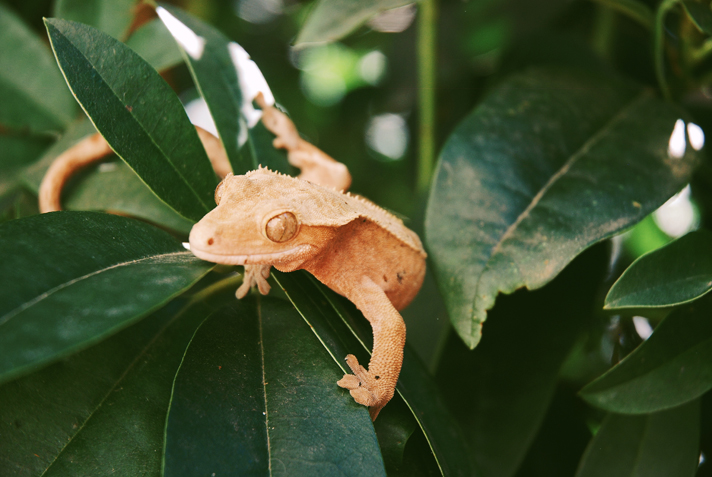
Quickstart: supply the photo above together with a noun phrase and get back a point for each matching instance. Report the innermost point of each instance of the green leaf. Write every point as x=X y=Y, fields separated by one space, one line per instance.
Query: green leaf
x=32 y=176
x=634 y=9
x=79 y=277
x=110 y=16
x=32 y=91
x=675 y=274
x=215 y=73
x=114 y=187
x=550 y=163
x=343 y=330
x=101 y=411
x=672 y=367
x=154 y=43
x=17 y=153
x=661 y=444
x=331 y=20
x=256 y=391
x=502 y=390
x=138 y=114
x=110 y=186
x=700 y=12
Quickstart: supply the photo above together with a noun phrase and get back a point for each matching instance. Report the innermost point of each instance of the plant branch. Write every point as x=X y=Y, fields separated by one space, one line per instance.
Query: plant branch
x=427 y=19
x=659 y=52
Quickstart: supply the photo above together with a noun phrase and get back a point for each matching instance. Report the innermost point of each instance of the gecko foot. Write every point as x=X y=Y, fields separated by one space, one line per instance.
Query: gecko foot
x=255 y=275
x=363 y=387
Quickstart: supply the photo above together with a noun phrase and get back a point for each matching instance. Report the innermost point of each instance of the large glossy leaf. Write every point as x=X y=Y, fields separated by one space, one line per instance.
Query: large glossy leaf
x=111 y=186
x=677 y=273
x=138 y=114
x=154 y=43
x=110 y=16
x=550 y=163
x=501 y=391
x=114 y=187
x=220 y=80
x=256 y=394
x=331 y=20
x=672 y=367
x=32 y=91
x=73 y=278
x=343 y=330
x=655 y=445
x=100 y=411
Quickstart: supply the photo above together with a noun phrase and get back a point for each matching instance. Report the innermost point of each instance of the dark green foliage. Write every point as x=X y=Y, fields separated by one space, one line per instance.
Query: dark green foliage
x=562 y=128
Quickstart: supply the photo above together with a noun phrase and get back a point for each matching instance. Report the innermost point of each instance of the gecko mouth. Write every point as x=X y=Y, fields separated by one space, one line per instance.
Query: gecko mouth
x=252 y=259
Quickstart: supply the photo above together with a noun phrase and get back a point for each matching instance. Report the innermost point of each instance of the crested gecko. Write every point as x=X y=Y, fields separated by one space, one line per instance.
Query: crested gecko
x=266 y=219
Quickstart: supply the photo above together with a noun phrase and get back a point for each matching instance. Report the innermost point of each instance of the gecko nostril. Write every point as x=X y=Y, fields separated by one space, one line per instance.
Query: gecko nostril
x=211 y=241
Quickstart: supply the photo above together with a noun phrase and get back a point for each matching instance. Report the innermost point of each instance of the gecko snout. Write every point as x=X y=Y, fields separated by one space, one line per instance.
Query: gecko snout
x=201 y=237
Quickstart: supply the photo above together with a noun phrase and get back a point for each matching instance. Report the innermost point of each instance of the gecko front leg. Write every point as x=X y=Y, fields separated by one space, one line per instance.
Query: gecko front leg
x=255 y=275
x=376 y=386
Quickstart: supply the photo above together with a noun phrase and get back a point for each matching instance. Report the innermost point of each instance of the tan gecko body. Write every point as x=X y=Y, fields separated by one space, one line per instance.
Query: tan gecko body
x=266 y=219
x=352 y=246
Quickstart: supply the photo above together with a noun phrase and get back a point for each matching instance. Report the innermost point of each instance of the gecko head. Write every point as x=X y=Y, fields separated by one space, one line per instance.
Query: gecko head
x=259 y=219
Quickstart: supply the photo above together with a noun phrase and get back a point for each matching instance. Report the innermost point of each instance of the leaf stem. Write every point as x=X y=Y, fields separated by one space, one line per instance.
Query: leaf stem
x=604 y=31
x=659 y=53
x=427 y=19
x=633 y=9
x=231 y=281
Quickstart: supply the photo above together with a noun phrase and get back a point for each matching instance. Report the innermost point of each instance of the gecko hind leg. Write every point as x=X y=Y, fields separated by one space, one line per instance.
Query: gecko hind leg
x=359 y=385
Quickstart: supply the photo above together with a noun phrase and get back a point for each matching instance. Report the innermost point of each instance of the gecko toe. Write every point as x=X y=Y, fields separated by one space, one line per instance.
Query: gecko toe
x=349 y=381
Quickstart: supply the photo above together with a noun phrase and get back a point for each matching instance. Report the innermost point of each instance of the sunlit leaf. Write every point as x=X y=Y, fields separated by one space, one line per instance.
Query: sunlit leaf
x=33 y=93
x=551 y=162
x=110 y=16
x=654 y=445
x=257 y=391
x=332 y=20
x=154 y=43
x=677 y=273
x=672 y=367
x=221 y=81
x=79 y=277
x=138 y=114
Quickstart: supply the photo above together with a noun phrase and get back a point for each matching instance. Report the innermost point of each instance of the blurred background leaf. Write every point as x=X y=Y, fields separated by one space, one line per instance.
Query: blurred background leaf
x=39 y=102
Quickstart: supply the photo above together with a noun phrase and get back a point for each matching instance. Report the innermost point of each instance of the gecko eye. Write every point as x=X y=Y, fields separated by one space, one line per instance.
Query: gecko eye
x=220 y=189
x=282 y=227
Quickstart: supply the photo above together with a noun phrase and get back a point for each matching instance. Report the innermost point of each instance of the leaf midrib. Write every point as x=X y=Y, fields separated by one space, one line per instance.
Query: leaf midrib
x=580 y=152
x=657 y=366
x=136 y=121
x=118 y=381
x=264 y=387
x=16 y=311
x=672 y=284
